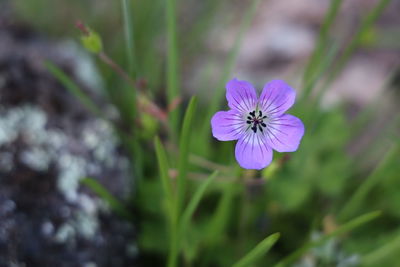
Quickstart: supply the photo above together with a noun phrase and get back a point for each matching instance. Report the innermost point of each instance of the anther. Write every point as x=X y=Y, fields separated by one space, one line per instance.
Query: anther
x=256 y=121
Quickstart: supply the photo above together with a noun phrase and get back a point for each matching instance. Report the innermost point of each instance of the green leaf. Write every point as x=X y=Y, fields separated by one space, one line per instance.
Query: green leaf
x=258 y=251
x=73 y=88
x=357 y=222
x=104 y=194
x=194 y=202
x=184 y=152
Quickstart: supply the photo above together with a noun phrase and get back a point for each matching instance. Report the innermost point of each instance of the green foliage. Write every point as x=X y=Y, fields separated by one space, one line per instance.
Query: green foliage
x=187 y=242
x=102 y=192
x=165 y=179
x=189 y=217
x=184 y=146
x=322 y=43
x=359 y=197
x=386 y=255
x=171 y=211
x=259 y=251
x=128 y=31
x=173 y=90
x=359 y=36
x=342 y=229
x=73 y=88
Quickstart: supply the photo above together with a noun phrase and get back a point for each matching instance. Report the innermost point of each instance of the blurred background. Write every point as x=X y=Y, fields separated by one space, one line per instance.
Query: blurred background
x=79 y=184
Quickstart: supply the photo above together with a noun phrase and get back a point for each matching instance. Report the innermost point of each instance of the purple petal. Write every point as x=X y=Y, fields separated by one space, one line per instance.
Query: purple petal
x=241 y=96
x=276 y=98
x=227 y=125
x=284 y=133
x=252 y=152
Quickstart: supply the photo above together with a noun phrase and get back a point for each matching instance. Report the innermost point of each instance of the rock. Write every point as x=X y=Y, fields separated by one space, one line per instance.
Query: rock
x=48 y=142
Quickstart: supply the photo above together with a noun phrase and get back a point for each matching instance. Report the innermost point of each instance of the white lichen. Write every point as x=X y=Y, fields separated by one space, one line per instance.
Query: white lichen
x=75 y=157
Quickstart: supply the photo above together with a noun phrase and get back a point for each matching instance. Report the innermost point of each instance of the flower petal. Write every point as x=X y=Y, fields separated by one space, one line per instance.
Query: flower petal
x=227 y=125
x=276 y=98
x=252 y=152
x=241 y=96
x=284 y=133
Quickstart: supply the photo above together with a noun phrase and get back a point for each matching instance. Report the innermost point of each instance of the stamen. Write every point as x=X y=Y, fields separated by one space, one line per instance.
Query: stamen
x=256 y=122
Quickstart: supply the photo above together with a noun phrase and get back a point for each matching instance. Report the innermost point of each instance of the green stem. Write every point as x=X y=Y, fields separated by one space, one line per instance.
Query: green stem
x=128 y=31
x=172 y=62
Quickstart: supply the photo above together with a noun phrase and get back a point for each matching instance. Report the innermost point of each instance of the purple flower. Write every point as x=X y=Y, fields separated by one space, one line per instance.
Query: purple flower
x=259 y=124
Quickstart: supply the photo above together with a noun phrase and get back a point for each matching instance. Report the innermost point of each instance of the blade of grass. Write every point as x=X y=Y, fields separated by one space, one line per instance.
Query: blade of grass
x=104 y=194
x=202 y=24
x=258 y=251
x=365 y=26
x=184 y=152
x=128 y=31
x=362 y=191
x=220 y=218
x=173 y=90
x=130 y=96
x=347 y=227
x=207 y=164
x=321 y=70
x=214 y=232
x=229 y=64
x=194 y=202
x=171 y=212
x=322 y=43
x=367 y=113
x=73 y=88
x=163 y=169
x=387 y=133
x=390 y=250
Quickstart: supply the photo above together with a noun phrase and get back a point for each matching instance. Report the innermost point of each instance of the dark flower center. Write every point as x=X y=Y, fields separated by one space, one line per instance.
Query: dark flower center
x=256 y=121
